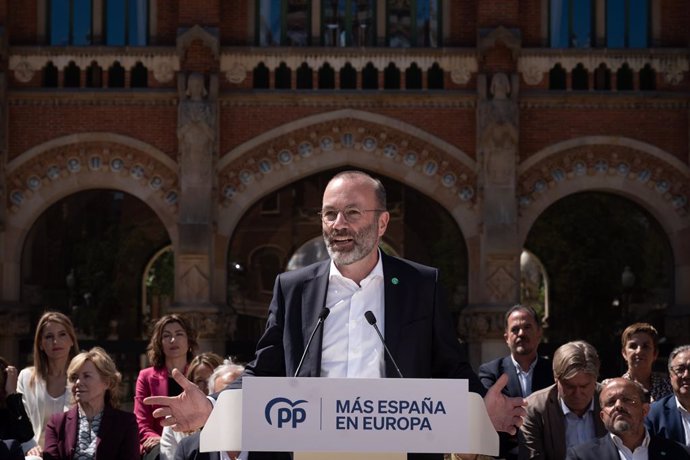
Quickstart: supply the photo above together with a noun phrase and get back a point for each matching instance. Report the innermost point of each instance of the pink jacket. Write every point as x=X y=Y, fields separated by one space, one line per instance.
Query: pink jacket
x=152 y=381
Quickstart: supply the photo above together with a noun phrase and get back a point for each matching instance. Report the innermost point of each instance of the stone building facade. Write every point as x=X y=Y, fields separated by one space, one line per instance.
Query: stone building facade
x=202 y=109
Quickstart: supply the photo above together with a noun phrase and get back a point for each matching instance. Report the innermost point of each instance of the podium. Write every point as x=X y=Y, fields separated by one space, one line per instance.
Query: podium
x=385 y=418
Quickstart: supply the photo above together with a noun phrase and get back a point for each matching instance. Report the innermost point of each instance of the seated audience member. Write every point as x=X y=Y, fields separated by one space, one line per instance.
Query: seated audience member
x=567 y=413
x=199 y=371
x=527 y=371
x=43 y=386
x=93 y=428
x=670 y=416
x=14 y=423
x=11 y=449
x=640 y=348
x=188 y=448
x=172 y=346
x=623 y=408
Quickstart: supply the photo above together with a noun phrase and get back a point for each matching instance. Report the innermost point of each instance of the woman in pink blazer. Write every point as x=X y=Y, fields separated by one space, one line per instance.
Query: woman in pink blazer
x=172 y=346
x=93 y=428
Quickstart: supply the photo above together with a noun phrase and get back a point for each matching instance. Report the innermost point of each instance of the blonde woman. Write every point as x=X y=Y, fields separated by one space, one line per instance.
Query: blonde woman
x=93 y=428
x=44 y=385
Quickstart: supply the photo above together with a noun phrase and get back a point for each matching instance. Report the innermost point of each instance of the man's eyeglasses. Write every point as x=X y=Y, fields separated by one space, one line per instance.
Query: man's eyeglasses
x=609 y=403
x=351 y=215
x=679 y=370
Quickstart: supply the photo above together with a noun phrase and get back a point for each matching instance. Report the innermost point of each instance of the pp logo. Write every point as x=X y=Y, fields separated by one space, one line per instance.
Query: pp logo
x=286 y=412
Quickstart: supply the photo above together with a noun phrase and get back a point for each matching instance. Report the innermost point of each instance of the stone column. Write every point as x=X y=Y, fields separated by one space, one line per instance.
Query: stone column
x=499 y=248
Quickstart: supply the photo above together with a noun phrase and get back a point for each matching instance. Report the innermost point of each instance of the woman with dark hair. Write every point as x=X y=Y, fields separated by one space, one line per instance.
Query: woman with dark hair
x=93 y=428
x=44 y=385
x=172 y=346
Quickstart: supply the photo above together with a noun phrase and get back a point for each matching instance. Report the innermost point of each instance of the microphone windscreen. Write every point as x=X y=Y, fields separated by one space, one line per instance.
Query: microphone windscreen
x=370 y=317
x=324 y=313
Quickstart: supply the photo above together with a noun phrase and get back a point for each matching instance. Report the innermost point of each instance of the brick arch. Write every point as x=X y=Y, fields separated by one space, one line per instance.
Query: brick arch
x=45 y=174
x=645 y=174
x=640 y=172
x=383 y=145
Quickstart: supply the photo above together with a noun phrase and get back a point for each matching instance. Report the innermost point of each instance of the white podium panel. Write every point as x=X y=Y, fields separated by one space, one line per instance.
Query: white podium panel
x=351 y=415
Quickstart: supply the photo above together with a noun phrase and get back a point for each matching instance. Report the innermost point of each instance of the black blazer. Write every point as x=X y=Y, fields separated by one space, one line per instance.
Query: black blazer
x=604 y=449
x=14 y=423
x=541 y=378
x=419 y=330
x=491 y=371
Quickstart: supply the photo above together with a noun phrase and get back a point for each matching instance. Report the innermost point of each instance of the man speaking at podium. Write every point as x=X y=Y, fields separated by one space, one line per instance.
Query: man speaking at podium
x=327 y=301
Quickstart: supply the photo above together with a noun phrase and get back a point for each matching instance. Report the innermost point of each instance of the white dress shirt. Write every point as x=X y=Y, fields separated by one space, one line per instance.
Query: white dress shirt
x=525 y=377
x=641 y=452
x=351 y=347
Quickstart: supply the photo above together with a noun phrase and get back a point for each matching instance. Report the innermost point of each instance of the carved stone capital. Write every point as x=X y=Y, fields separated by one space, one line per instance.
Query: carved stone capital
x=478 y=323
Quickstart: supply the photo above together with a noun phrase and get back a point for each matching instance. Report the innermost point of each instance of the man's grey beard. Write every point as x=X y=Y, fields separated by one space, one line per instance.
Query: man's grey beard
x=364 y=242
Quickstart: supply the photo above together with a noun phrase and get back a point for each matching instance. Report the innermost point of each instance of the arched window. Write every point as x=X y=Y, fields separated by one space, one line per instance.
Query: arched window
x=305 y=77
x=348 y=77
x=348 y=22
x=94 y=76
x=435 y=77
x=50 y=75
x=413 y=77
x=139 y=76
x=571 y=23
x=261 y=77
x=283 y=22
x=283 y=77
x=580 y=78
x=116 y=76
x=370 y=77
x=602 y=78
x=624 y=78
x=557 y=78
x=413 y=23
x=627 y=23
x=326 y=77
x=647 y=78
x=72 y=76
x=391 y=77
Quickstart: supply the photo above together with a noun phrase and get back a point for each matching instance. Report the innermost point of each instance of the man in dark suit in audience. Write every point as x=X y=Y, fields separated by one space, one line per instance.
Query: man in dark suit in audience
x=669 y=416
x=623 y=408
x=527 y=371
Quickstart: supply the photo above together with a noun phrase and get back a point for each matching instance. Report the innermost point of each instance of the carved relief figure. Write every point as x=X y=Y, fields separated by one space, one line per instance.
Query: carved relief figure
x=499 y=136
x=498 y=139
x=196 y=133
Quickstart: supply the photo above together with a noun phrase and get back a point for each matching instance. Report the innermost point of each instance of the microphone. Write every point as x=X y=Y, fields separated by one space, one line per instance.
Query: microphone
x=372 y=320
x=322 y=317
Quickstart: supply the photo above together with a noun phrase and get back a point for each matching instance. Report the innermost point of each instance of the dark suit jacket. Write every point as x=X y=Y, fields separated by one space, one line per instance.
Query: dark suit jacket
x=117 y=436
x=419 y=330
x=491 y=371
x=664 y=419
x=188 y=449
x=11 y=449
x=542 y=435
x=541 y=378
x=604 y=449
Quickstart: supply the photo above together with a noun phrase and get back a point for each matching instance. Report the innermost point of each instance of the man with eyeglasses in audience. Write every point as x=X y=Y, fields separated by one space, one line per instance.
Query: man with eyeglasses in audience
x=669 y=416
x=623 y=409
